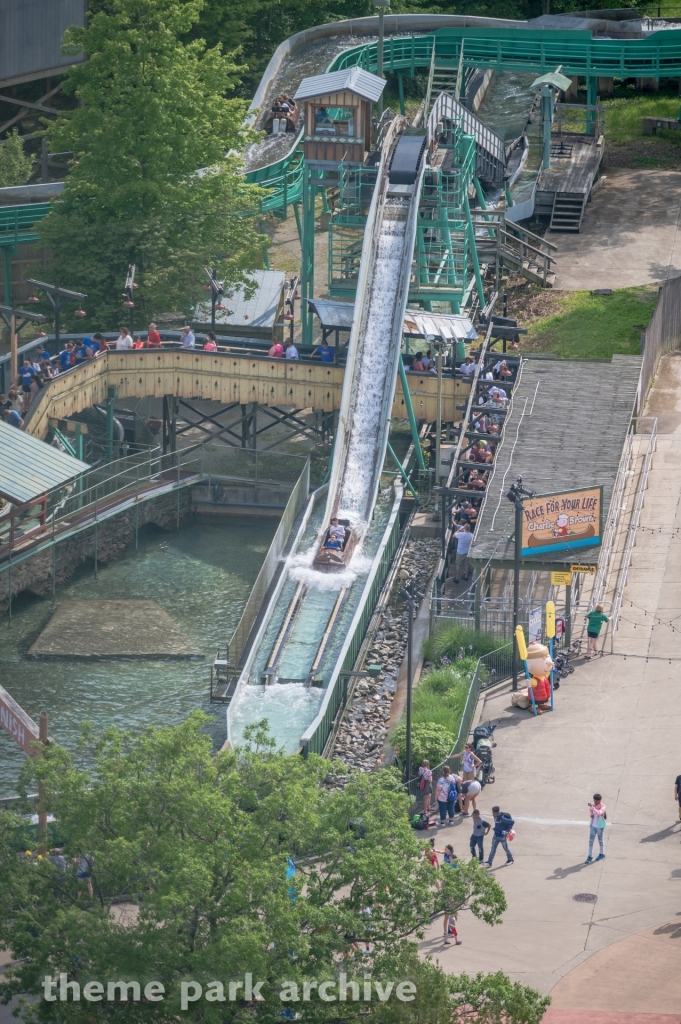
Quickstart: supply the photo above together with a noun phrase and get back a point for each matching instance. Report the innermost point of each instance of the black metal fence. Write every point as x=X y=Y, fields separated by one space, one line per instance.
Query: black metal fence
x=491 y=669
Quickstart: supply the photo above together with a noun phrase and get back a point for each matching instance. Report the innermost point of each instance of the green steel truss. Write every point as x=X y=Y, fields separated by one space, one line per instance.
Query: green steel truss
x=17 y=225
x=444 y=253
x=535 y=51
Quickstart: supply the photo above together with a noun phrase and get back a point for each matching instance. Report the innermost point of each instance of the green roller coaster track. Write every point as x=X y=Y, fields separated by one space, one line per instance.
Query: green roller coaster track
x=534 y=51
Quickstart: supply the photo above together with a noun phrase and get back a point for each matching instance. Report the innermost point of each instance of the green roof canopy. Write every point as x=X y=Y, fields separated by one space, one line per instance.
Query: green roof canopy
x=554 y=78
x=29 y=467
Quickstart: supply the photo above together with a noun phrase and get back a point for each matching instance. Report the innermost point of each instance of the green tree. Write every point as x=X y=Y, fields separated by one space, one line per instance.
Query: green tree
x=152 y=114
x=196 y=847
x=15 y=165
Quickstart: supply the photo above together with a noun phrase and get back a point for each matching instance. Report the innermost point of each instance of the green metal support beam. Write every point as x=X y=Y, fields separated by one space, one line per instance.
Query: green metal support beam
x=7 y=274
x=63 y=440
x=407 y=481
x=474 y=253
x=111 y=395
x=483 y=204
x=412 y=418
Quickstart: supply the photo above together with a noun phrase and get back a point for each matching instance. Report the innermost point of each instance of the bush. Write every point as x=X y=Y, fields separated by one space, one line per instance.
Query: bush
x=429 y=742
x=447 y=643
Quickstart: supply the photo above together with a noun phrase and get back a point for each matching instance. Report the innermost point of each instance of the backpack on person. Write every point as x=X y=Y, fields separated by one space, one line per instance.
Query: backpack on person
x=506 y=822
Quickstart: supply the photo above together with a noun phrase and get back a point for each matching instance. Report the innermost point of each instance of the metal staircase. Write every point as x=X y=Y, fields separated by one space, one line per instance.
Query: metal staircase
x=515 y=248
x=490 y=162
x=445 y=75
x=568 y=211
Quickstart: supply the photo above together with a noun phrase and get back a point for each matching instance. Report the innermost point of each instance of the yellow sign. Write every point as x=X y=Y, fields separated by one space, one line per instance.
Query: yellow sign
x=520 y=640
x=561 y=579
x=584 y=568
x=563 y=521
x=550 y=619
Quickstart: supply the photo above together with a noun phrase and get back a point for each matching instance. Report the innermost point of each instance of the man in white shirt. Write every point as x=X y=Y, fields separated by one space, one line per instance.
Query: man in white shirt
x=188 y=339
x=292 y=352
x=123 y=341
x=469 y=367
x=464 y=539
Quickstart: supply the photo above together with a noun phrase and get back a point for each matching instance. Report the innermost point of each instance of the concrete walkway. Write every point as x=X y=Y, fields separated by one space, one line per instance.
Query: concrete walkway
x=615 y=730
x=629 y=235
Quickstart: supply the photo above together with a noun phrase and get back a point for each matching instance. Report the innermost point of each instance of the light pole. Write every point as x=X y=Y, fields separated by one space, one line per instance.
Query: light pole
x=57 y=298
x=9 y=314
x=410 y=596
x=381 y=5
x=129 y=303
x=216 y=293
x=515 y=495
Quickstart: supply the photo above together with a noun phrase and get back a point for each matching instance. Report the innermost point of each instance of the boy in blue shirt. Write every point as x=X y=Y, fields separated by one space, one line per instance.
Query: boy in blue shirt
x=66 y=357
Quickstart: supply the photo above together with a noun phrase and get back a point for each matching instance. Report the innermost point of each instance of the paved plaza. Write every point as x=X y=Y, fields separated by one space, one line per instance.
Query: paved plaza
x=616 y=731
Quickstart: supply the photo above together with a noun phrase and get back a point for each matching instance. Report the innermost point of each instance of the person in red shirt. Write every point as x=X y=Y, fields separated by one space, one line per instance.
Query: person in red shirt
x=276 y=351
x=153 y=337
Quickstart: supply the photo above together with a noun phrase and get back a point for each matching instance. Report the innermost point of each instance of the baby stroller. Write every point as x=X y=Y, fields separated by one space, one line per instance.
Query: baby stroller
x=482 y=745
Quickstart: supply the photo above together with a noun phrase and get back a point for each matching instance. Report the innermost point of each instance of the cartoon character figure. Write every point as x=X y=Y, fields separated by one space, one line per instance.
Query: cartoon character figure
x=539 y=664
x=561 y=526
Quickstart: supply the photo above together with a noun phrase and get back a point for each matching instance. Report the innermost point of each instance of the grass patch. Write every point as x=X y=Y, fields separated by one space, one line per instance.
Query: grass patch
x=450 y=640
x=437 y=707
x=624 y=117
x=584 y=326
x=626 y=146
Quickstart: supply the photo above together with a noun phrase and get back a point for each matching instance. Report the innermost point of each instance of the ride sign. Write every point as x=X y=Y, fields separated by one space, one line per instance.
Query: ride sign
x=18 y=724
x=562 y=521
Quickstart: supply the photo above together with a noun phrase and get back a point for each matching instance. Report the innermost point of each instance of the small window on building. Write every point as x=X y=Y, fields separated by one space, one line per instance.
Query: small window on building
x=335 y=121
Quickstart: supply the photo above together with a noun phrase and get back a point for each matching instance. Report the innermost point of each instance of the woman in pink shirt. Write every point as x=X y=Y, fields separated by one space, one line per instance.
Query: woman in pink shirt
x=598 y=816
x=211 y=343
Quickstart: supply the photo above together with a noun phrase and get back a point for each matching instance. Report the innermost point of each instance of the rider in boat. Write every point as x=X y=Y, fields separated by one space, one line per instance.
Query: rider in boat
x=335 y=537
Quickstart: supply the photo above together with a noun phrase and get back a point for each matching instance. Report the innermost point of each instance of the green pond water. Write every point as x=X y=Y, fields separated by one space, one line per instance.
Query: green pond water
x=202 y=576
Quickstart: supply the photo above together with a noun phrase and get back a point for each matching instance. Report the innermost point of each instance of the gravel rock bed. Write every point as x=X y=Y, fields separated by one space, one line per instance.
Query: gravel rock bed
x=363 y=730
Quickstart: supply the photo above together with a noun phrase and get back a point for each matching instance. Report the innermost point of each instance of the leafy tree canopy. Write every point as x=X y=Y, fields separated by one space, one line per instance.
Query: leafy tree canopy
x=15 y=166
x=196 y=846
x=153 y=112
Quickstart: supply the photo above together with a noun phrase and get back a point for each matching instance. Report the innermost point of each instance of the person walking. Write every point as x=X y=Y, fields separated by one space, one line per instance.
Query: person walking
x=445 y=794
x=480 y=830
x=594 y=621
x=464 y=539
x=426 y=785
x=292 y=351
x=677 y=793
x=503 y=824
x=450 y=860
x=598 y=815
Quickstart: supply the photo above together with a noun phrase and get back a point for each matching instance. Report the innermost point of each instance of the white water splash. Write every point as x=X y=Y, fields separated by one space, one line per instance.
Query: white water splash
x=300 y=569
x=360 y=469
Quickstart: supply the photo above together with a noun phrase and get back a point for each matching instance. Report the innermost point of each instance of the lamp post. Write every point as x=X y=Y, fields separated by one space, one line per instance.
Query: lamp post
x=216 y=293
x=129 y=303
x=10 y=315
x=58 y=298
x=381 y=5
x=515 y=495
x=409 y=596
